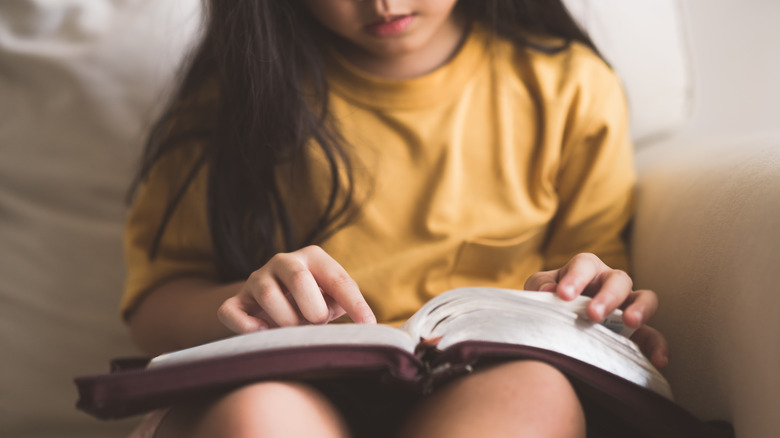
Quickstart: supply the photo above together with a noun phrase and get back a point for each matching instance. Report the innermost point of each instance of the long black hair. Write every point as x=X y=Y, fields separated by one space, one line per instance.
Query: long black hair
x=254 y=96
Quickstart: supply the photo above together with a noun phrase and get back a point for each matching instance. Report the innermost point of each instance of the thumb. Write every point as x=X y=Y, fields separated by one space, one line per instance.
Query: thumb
x=653 y=344
x=335 y=310
x=545 y=281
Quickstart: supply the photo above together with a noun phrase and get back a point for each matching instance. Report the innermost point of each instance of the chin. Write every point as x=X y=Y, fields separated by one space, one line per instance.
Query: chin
x=394 y=47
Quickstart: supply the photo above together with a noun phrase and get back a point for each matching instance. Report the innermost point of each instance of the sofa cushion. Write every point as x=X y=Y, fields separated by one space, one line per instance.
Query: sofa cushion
x=645 y=43
x=79 y=81
x=705 y=239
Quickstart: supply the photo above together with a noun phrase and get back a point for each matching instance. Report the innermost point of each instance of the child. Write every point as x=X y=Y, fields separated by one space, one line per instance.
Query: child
x=325 y=158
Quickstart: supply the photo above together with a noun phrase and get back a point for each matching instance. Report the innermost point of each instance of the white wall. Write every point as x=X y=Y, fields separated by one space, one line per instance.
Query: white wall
x=736 y=55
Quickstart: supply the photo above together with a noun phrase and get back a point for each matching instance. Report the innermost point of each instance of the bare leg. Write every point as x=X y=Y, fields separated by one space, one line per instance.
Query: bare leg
x=515 y=399
x=268 y=410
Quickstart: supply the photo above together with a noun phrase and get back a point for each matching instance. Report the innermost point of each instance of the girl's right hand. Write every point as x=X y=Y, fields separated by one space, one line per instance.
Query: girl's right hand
x=306 y=286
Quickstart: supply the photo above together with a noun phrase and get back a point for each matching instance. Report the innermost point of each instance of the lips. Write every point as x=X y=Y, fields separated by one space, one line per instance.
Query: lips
x=390 y=26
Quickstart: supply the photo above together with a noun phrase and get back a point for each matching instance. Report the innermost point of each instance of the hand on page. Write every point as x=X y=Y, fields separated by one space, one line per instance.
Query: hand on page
x=306 y=286
x=586 y=274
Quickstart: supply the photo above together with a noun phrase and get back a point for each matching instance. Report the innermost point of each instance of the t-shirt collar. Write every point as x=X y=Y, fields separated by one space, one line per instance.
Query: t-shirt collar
x=429 y=89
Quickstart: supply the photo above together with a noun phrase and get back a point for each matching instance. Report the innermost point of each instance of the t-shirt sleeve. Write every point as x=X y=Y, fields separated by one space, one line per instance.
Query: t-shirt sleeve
x=595 y=181
x=185 y=247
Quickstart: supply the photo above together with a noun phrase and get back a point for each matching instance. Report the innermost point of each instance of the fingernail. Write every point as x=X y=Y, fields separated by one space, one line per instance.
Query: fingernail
x=662 y=361
x=636 y=318
x=599 y=310
x=568 y=291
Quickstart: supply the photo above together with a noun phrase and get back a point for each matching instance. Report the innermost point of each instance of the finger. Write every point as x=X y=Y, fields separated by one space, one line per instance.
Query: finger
x=581 y=270
x=653 y=344
x=301 y=286
x=639 y=308
x=269 y=296
x=615 y=287
x=335 y=282
x=545 y=281
x=335 y=310
x=233 y=315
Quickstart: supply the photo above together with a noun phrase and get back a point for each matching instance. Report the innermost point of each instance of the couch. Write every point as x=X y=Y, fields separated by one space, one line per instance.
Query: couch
x=81 y=80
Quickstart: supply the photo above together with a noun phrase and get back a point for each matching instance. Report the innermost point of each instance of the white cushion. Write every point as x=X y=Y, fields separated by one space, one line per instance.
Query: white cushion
x=645 y=44
x=80 y=82
x=706 y=240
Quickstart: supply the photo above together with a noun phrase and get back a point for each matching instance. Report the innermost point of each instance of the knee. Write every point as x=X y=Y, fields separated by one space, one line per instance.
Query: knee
x=268 y=409
x=539 y=396
x=514 y=399
x=533 y=375
x=282 y=409
x=269 y=398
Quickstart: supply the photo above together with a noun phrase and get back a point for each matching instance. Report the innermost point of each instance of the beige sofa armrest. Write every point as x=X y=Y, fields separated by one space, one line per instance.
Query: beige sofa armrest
x=707 y=240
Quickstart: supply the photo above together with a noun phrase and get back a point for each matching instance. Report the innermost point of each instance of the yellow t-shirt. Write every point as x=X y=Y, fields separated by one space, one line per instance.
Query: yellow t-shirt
x=503 y=162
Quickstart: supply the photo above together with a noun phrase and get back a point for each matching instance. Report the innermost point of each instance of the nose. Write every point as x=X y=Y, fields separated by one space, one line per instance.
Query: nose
x=382 y=6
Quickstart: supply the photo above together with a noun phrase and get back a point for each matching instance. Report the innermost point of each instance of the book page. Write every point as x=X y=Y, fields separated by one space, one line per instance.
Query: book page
x=536 y=319
x=292 y=337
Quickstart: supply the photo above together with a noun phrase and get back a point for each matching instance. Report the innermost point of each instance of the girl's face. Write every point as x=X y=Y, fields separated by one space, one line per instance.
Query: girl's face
x=390 y=28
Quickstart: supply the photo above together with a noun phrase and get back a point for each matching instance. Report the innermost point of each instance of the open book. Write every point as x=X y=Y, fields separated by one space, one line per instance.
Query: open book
x=534 y=319
x=451 y=335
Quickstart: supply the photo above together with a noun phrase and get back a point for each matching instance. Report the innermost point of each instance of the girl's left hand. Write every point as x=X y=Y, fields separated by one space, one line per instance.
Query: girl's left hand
x=611 y=289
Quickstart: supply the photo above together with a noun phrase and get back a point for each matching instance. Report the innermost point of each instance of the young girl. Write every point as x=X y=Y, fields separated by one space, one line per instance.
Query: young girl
x=348 y=159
